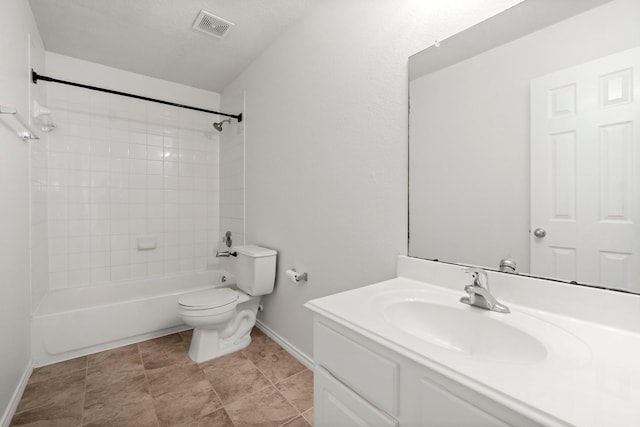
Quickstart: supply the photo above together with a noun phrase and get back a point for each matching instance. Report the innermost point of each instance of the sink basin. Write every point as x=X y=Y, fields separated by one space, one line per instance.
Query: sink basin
x=465 y=330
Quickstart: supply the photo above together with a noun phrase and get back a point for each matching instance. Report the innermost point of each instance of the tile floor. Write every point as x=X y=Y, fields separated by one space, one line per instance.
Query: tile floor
x=154 y=383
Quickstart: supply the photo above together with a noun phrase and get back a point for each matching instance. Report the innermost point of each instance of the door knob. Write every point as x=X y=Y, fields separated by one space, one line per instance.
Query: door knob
x=540 y=232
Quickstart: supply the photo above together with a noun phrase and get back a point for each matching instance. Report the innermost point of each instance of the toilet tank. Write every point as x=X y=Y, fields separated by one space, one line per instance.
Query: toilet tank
x=255 y=269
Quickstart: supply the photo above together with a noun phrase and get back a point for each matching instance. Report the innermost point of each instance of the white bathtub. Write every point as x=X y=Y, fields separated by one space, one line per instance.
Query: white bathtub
x=78 y=321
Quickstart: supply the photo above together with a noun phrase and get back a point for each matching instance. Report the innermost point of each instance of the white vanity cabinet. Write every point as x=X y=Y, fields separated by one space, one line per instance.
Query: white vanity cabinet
x=359 y=382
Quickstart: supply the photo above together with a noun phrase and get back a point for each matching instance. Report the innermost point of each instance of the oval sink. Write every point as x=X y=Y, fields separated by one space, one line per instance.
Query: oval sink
x=466 y=330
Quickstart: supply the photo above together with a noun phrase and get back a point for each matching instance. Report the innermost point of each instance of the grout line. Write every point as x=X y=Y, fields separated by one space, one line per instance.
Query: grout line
x=146 y=378
x=276 y=387
x=305 y=418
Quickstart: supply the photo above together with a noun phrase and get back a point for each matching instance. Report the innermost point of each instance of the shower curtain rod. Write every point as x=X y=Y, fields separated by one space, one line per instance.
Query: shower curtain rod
x=35 y=77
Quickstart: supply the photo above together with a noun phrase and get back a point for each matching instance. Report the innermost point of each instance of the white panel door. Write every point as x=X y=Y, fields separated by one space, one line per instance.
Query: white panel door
x=585 y=167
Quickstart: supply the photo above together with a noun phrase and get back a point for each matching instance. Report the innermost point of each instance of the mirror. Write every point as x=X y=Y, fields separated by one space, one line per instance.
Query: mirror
x=524 y=143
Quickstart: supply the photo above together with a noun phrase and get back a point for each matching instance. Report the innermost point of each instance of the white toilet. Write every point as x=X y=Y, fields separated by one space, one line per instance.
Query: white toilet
x=222 y=318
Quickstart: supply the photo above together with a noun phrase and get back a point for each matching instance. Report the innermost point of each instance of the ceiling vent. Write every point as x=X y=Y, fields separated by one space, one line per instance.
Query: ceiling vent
x=212 y=25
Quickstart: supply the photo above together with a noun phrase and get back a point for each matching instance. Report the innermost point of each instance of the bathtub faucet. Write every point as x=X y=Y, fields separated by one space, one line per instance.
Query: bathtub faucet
x=225 y=254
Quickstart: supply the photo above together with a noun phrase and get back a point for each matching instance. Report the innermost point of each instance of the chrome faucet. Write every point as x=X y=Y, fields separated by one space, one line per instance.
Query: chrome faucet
x=479 y=294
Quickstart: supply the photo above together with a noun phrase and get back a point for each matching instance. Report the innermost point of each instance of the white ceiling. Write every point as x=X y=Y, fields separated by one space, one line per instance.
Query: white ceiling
x=155 y=38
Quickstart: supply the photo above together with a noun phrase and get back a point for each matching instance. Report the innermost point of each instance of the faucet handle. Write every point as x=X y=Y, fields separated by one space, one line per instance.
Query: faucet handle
x=480 y=277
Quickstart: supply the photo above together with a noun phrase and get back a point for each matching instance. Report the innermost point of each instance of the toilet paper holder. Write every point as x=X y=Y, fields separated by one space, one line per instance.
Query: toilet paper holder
x=297 y=277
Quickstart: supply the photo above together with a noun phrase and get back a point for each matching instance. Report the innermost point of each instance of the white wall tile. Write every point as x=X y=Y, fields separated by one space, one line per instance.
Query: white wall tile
x=154 y=167
x=138 y=271
x=138 y=257
x=117 y=169
x=100 y=243
x=100 y=259
x=155 y=268
x=120 y=257
x=58 y=263
x=58 y=280
x=155 y=153
x=79 y=261
x=100 y=227
x=100 y=275
x=79 y=277
x=137 y=211
x=59 y=245
x=171 y=266
x=79 y=244
x=121 y=272
x=155 y=255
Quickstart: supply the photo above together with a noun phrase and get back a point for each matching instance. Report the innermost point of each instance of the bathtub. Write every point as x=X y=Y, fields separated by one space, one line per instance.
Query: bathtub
x=79 y=321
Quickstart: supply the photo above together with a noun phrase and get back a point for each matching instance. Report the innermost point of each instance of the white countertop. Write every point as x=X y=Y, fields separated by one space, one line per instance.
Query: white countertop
x=591 y=377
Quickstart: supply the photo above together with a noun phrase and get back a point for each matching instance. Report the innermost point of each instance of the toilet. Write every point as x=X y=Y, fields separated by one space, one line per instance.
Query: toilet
x=222 y=318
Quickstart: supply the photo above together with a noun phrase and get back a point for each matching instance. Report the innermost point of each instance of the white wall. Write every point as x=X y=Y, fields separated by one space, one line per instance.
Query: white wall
x=326 y=145
x=39 y=248
x=470 y=137
x=120 y=169
x=16 y=24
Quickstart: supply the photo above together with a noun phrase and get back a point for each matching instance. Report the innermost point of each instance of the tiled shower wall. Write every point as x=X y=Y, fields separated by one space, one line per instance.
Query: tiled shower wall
x=121 y=169
x=232 y=172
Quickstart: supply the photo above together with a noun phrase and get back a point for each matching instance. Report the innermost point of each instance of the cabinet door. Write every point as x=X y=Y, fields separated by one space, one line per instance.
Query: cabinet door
x=441 y=408
x=335 y=405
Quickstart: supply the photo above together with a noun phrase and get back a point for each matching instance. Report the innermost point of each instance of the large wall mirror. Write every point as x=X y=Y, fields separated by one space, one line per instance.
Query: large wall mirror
x=524 y=143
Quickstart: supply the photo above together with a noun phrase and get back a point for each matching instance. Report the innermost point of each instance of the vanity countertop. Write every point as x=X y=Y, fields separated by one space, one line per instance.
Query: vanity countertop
x=590 y=375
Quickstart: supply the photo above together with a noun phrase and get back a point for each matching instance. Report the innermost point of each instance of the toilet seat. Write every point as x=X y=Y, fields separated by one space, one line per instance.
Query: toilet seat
x=223 y=299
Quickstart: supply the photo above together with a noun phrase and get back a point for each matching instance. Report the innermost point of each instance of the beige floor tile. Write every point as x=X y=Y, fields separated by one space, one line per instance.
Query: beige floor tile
x=57 y=392
x=173 y=378
x=113 y=369
x=188 y=405
x=264 y=408
x=298 y=390
x=225 y=362
x=279 y=366
x=219 y=418
x=235 y=378
x=120 y=383
x=57 y=369
x=186 y=336
x=65 y=415
x=166 y=355
x=156 y=343
x=261 y=346
x=124 y=403
x=114 y=356
x=256 y=332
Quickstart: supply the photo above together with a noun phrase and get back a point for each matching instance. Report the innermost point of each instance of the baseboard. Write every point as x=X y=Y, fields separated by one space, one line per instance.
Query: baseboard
x=17 y=395
x=292 y=350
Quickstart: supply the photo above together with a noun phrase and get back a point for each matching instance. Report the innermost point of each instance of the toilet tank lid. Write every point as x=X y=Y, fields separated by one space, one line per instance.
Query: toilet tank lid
x=255 y=251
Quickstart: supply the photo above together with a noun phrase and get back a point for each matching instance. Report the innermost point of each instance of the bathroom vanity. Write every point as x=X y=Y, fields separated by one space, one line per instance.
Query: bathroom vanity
x=406 y=352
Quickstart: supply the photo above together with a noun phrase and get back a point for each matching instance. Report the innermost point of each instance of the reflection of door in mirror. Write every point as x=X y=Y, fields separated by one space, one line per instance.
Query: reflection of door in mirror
x=470 y=179
x=583 y=121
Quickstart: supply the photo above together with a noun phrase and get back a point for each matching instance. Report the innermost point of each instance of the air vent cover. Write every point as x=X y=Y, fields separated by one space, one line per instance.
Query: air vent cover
x=212 y=25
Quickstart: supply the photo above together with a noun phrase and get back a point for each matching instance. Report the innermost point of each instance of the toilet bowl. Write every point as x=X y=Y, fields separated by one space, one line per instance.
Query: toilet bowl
x=222 y=318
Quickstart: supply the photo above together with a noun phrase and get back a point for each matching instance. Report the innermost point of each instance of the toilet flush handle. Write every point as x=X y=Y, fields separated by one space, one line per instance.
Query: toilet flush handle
x=226 y=254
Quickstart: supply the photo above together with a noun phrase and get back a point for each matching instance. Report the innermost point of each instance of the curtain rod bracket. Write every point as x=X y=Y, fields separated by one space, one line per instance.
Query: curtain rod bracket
x=35 y=77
